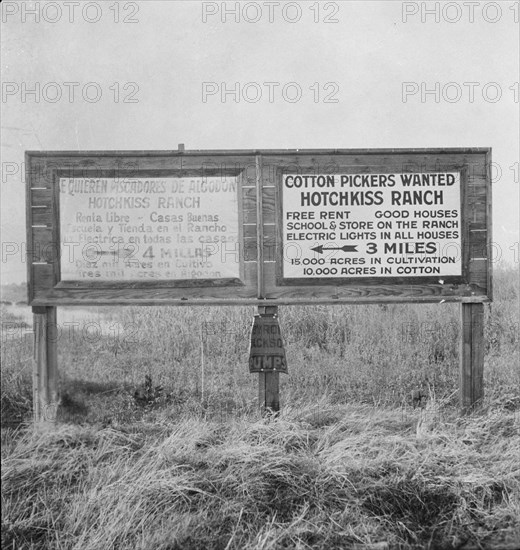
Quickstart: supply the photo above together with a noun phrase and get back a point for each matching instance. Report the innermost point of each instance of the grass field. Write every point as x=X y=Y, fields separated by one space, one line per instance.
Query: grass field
x=189 y=463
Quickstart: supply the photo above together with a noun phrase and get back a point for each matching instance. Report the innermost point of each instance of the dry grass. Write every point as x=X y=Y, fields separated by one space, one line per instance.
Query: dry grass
x=347 y=464
x=323 y=476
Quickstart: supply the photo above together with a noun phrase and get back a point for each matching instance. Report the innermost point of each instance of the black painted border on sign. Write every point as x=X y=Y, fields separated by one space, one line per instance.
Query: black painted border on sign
x=369 y=280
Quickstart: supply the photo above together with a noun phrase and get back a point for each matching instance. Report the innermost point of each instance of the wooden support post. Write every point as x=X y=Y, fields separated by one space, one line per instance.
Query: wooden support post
x=472 y=356
x=45 y=365
x=269 y=382
x=269 y=392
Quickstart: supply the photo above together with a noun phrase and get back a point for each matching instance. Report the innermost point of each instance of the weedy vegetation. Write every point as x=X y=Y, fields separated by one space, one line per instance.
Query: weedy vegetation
x=159 y=443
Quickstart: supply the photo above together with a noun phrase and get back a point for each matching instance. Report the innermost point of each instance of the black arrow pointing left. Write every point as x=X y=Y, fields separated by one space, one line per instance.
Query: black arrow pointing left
x=346 y=248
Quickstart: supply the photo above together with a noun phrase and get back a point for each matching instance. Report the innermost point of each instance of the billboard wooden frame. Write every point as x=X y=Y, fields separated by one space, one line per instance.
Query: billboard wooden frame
x=260 y=202
x=260 y=251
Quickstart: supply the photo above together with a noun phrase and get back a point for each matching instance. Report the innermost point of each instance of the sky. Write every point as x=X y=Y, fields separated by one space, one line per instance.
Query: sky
x=149 y=75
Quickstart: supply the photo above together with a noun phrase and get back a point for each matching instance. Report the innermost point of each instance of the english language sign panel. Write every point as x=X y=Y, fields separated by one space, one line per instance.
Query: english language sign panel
x=143 y=229
x=371 y=225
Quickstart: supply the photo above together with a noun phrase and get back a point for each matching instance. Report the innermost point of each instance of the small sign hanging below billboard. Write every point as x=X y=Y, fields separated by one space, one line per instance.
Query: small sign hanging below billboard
x=267 y=353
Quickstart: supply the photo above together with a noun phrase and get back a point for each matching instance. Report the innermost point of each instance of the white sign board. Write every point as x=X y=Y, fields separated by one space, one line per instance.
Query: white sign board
x=371 y=225
x=143 y=229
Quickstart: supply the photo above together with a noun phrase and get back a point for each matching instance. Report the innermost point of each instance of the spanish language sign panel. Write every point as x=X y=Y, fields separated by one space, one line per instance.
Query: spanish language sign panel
x=171 y=228
x=371 y=225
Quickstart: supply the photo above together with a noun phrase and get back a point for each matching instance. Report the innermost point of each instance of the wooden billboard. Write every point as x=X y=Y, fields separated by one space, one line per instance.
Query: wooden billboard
x=258 y=227
x=264 y=228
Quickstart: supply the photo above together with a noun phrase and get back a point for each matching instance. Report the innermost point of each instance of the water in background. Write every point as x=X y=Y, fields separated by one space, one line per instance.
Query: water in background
x=18 y=317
